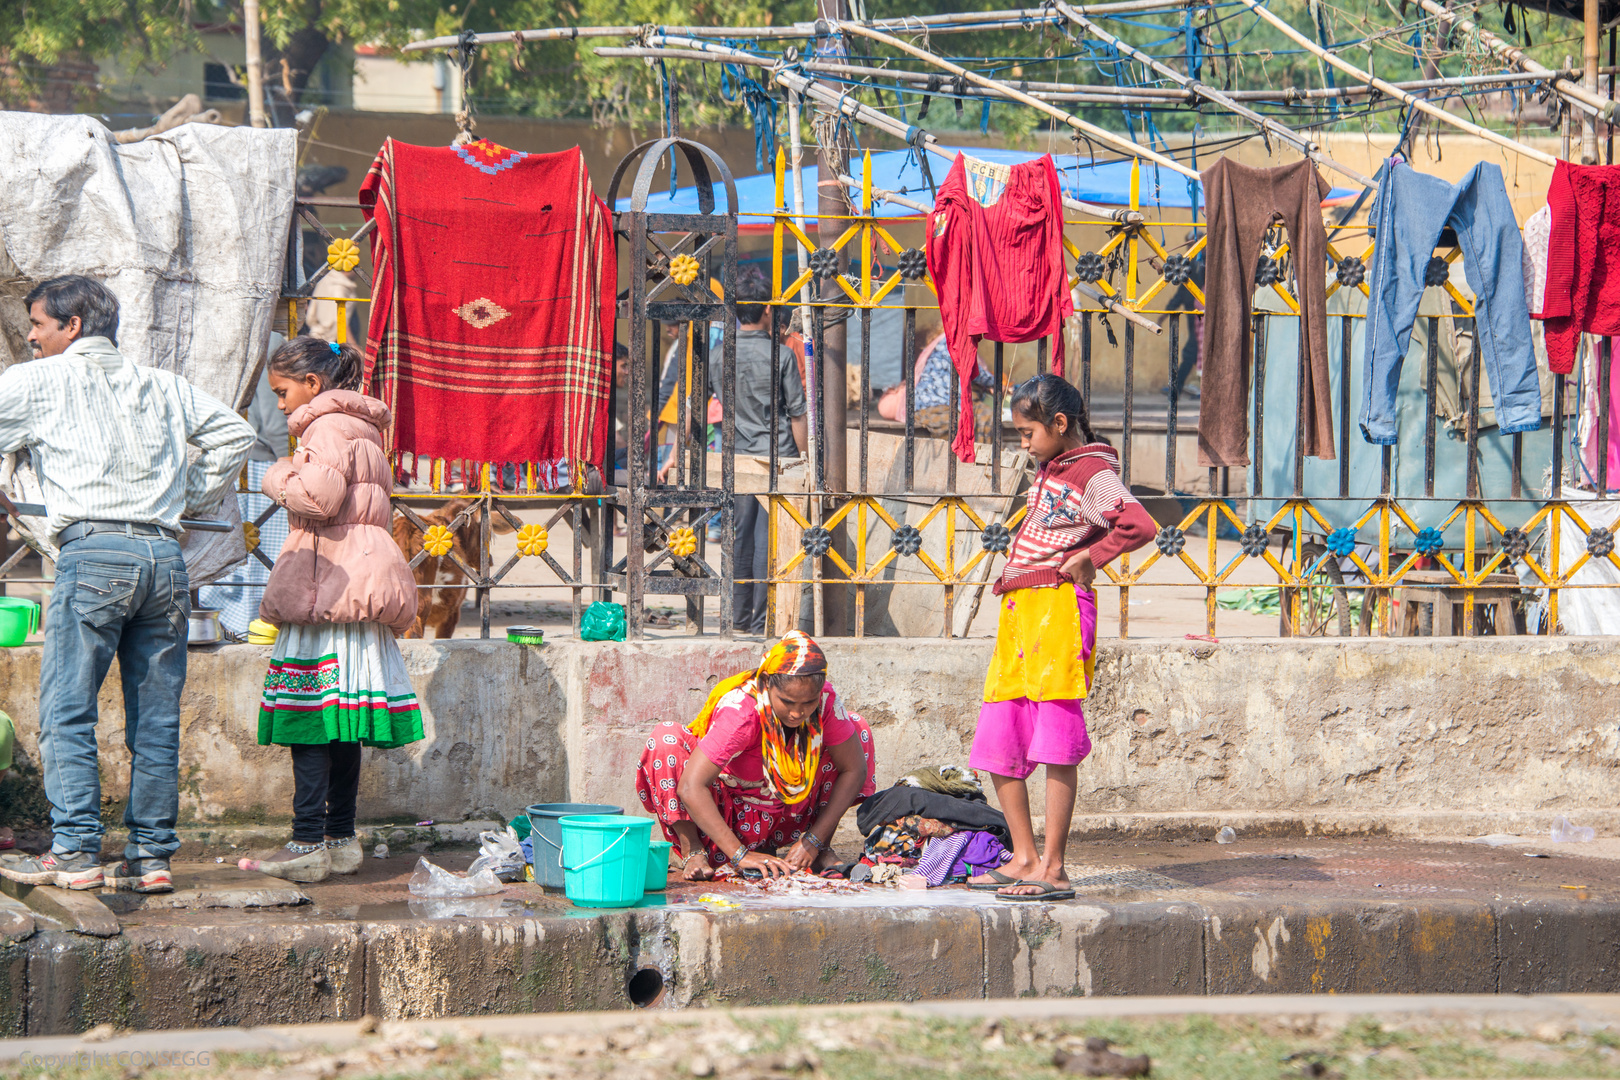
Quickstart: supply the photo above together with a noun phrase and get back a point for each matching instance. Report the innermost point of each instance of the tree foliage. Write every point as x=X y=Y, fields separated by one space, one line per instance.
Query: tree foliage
x=568 y=79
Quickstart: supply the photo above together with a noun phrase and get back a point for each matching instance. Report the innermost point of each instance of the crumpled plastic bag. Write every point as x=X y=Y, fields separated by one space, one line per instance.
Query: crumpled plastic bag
x=501 y=853
x=436 y=883
x=602 y=621
x=1565 y=833
x=465 y=907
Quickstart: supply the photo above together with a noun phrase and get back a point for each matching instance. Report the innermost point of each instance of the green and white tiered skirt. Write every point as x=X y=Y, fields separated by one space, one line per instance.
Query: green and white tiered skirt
x=338 y=682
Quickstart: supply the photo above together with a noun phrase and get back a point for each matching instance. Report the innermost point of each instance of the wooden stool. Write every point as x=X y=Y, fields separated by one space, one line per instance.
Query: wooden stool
x=1439 y=590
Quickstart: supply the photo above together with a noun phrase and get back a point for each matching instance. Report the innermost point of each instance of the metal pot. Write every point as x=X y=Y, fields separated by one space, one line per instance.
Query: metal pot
x=204 y=628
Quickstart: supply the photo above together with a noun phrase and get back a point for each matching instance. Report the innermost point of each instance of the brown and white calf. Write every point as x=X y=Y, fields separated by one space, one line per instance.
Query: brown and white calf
x=439 y=607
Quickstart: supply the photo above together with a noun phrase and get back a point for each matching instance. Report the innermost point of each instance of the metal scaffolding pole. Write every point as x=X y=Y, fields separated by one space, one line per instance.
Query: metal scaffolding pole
x=1011 y=93
x=1411 y=100
x=842 y=102
x=1562 y=81
x=1266 y=125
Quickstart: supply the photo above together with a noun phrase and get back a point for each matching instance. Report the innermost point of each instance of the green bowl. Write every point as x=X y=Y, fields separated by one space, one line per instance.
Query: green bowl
x=526 y=635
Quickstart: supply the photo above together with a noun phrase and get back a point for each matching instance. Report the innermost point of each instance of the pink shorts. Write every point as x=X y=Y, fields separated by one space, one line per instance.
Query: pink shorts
x=1015 y=736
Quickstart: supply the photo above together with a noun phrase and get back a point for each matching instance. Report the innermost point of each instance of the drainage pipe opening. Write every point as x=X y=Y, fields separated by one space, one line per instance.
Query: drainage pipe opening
x=646 y=987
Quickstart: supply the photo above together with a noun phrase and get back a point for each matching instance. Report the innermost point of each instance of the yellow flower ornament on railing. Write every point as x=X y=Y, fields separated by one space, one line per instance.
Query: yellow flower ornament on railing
x=250 y=534
x=438 y=541
x=343 y=254
x=683 y=269
x=532 y=540
x=682 y=542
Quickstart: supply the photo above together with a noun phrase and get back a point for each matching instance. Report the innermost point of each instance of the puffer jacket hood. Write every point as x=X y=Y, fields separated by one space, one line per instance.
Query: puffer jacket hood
x=347 y=402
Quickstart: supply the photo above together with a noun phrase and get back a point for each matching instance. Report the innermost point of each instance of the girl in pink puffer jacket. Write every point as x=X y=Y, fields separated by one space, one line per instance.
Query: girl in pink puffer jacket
x=340 y=591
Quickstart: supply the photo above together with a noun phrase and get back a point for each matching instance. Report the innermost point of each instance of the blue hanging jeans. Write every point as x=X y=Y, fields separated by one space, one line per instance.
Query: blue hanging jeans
x=119 y=591
x=1412 y=210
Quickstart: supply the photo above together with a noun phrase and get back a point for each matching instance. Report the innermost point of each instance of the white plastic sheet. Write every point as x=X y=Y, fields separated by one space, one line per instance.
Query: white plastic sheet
x=1581 y=612
x=187 y=228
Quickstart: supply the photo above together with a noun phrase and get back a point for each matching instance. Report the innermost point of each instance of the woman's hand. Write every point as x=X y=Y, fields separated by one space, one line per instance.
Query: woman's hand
x=1079 y=568
x=801 y=856
x=768 y=865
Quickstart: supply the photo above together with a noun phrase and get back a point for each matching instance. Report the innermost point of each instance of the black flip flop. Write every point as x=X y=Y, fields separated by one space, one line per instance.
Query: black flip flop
x=1001 y=882
x=1049 y=892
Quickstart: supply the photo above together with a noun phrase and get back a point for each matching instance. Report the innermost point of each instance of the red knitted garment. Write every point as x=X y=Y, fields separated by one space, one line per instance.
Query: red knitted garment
x=491 y=331
x=995 y=255
x=1583 y=259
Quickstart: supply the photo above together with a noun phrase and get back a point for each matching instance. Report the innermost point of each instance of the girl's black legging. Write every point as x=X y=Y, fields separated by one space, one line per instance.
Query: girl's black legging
x=326 y=779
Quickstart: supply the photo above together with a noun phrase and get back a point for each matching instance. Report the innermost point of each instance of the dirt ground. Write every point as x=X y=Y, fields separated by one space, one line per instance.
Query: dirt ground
x=872 y=1043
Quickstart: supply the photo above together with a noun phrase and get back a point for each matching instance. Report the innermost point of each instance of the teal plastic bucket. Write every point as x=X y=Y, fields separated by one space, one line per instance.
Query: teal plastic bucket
x=18 y=619
x=543 y=818
x=658 y=865
x=604 y=859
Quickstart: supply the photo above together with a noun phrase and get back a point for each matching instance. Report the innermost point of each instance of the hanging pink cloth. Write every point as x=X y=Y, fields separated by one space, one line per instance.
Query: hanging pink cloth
x=1589 y=420
x=995 y=254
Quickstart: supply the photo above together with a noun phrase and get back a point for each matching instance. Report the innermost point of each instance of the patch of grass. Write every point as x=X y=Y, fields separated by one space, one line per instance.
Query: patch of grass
x=880 y=1045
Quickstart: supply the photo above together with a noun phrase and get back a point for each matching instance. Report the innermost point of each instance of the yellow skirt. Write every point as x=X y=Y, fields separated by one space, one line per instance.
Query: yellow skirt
x=1045 y=645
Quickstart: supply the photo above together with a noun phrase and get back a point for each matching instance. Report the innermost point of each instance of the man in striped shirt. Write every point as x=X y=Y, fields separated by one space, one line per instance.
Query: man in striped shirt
x=108 y=439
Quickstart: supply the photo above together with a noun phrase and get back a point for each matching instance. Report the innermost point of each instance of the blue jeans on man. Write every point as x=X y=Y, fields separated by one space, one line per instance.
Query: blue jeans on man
x=120 y=592
x=1412 y=210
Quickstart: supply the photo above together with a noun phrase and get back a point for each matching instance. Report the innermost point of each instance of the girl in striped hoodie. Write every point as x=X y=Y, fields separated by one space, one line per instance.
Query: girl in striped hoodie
x=1079 y=516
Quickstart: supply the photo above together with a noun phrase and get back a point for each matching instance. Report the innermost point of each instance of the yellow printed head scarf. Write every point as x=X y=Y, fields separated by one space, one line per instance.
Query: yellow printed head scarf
x=791 y=762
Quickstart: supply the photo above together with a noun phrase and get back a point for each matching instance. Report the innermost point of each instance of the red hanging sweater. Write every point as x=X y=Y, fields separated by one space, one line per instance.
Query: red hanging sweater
x=995 y=254
x=1583 y=259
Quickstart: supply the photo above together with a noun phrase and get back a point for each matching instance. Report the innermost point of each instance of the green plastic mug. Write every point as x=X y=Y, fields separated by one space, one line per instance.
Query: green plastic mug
x=18 y=619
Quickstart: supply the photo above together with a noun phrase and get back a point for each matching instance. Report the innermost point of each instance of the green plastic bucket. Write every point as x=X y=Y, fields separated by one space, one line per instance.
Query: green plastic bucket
x=543 y=818
x=18 y=619
x=658 y=865
x=604 y=859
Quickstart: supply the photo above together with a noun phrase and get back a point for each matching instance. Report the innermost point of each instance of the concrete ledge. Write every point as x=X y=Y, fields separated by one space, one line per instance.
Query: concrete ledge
x=1449 y=736
x=278 y=969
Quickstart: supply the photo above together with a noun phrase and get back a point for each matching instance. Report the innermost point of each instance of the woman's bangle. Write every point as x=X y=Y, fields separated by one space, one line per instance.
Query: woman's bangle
x=739 y=855
x=813 y=840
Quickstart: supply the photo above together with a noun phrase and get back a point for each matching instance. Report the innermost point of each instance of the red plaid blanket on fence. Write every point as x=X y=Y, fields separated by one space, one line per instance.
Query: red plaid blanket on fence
x=491 y=332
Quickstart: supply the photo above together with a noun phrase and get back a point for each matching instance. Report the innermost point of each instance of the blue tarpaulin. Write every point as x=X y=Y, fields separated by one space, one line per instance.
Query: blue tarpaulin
x=1107 y=184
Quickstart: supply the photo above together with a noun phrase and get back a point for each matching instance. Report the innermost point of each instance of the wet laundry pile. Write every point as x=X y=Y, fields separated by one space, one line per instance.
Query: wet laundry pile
x=934 y=825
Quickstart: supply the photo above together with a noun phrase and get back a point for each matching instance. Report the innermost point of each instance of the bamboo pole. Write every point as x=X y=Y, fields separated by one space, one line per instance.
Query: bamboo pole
x=951 y=23
x=883 y=195
x=1266 y=125
x=795 y=161
x=1593 y=23
x=1379 y=84
x=1102 y=135
x=255 y=64
x=1562 y=81
x=1101 y=95
x=1170 y=94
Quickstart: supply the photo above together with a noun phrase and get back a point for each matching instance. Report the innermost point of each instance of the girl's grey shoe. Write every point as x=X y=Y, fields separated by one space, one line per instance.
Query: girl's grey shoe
x=312 y=863
x=346 y=855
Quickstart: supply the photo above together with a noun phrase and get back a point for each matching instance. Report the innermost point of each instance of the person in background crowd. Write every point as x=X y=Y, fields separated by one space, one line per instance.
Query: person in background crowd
x=758 y=383
x=109 y=439
x=236 y=596
x=340 y=593
x=935 y=408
